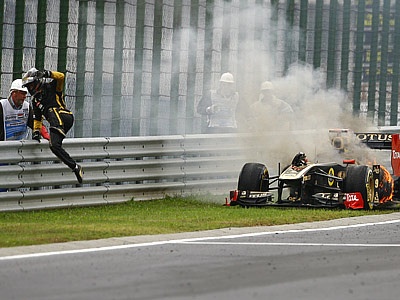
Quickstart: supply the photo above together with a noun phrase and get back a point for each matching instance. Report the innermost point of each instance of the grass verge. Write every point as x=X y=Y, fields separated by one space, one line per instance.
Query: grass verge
x=171 y=215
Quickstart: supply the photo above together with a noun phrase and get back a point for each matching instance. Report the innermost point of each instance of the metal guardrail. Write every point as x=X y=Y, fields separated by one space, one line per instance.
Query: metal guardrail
x=117 y=170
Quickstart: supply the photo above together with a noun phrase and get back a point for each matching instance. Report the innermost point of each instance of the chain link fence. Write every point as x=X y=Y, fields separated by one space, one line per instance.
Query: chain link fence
x=139 y=67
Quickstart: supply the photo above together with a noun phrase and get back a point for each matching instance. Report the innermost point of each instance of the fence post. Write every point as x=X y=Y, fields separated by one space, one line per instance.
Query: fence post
x=289 y=45
x=117 y=76
x=192 y=66
x=18 y=39
x=384 y=63
x=396 y=65
x=63 y=37
x=138 y=66
x=344 y=66
x=156 y=67
x=1 y=32
x=373 y=64
x=98 y=68
x=303 y=30
x=331 y=62
x=358 y=68
x=41 y=34
x=80 y=72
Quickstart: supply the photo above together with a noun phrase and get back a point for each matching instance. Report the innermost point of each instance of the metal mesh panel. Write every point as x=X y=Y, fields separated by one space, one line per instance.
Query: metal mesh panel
x=145 y=74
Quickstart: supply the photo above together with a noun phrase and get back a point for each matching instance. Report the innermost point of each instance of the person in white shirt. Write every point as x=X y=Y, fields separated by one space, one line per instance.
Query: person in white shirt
x=16 y=114
x=267 y=100
x=270 y=111
x=220 y=106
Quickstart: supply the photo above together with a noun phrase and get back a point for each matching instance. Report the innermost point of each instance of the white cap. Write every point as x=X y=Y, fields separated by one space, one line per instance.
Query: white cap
x=16 y=85
x=267 y=85
x=227 y=77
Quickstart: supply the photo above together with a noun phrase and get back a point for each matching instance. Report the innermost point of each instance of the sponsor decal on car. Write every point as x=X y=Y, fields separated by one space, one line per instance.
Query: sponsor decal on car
x=354 y=200
x=251 y=194
x=369 y=137
x=332 y=173
x=396 y=154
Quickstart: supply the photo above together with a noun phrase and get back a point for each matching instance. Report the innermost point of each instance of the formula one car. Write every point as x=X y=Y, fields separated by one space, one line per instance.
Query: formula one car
x=327 y=185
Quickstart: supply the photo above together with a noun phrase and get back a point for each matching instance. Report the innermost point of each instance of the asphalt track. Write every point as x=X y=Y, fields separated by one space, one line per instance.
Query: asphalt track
x=354 y=258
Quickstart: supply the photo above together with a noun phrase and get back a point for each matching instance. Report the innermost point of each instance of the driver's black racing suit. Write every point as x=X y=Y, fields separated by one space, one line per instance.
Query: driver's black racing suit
x=50 y=104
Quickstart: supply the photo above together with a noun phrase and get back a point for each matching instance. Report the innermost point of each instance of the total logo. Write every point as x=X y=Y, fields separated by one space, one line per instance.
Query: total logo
x=352 y=197
x=395 y=154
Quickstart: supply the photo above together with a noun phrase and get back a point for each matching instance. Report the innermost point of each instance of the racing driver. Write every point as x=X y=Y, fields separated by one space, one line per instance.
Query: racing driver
x=46 y=89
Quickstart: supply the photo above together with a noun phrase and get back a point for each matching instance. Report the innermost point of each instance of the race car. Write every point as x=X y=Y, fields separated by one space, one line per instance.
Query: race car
x=327 y=185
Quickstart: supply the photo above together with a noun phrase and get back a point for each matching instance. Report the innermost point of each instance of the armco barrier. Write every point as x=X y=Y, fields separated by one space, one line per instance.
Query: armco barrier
x=117 y=170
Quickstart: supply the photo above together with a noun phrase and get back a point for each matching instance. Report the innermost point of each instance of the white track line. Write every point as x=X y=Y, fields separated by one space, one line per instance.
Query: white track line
x=290 y=244
x=204 y=239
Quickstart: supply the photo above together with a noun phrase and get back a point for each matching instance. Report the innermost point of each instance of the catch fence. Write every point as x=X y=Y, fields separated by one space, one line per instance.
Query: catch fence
x=139 y=67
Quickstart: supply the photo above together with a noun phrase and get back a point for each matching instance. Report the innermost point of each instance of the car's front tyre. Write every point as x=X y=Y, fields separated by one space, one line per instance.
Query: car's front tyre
x=253 y=177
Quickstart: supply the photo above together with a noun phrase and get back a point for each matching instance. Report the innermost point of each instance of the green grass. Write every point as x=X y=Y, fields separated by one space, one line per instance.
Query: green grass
x=133 y=218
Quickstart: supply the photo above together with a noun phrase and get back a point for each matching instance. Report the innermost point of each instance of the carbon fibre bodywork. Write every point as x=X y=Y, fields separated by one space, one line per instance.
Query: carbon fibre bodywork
x=327 y=185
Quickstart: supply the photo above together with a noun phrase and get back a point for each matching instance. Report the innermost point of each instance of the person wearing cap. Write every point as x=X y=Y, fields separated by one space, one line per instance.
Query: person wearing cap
x=267 y=98
x=220 y=106
x=270 y=107
x=16 y=114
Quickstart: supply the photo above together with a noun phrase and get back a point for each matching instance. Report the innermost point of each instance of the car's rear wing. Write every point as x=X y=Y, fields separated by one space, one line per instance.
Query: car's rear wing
x=376 y=140
x=341 y=138
x=389 y=141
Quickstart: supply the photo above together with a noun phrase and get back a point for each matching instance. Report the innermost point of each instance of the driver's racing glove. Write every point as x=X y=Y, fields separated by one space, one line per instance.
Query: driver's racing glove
x=44 y=133
x=36 y=135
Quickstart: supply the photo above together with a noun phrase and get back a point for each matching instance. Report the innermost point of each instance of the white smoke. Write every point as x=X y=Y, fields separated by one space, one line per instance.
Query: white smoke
x=316 y=111
x=277 y=137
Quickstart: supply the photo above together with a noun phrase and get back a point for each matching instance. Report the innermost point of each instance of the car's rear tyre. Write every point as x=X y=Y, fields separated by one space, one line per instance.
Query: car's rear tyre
x=360 y=179
x=253 y=177
x=385 y=186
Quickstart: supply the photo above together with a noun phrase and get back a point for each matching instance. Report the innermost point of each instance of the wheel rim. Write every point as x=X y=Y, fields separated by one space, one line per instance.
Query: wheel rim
x=370 y=190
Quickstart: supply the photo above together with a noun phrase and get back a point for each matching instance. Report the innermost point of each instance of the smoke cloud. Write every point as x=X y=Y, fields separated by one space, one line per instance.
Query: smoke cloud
x=309 y=129
x=278 y=137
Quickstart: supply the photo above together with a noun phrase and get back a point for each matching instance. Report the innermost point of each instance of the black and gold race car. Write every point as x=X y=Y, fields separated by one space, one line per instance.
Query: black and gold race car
x=328 y=185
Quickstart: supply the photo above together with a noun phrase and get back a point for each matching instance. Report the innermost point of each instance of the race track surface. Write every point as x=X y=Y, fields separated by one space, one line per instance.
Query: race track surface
x=354 y=258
